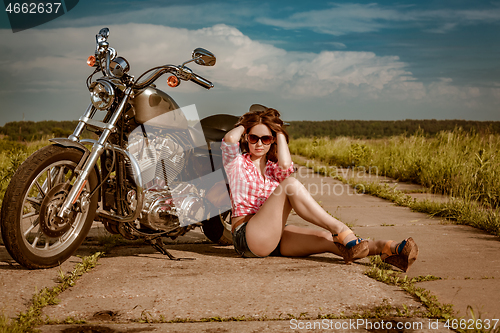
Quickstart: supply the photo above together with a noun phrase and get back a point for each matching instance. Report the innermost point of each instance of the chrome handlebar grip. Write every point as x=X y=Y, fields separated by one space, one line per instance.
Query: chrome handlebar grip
x=108 y=60
x=201 y=81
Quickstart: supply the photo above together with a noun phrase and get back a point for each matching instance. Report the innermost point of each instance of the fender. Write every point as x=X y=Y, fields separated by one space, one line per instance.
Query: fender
x=65 y=142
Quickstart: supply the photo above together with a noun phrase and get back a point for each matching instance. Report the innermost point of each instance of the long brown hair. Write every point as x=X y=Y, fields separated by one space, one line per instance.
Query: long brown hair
x=269 y=117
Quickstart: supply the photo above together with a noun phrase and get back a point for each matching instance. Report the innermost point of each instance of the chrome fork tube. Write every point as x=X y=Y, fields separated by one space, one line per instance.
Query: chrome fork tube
x=96 y=152
x=81 y=125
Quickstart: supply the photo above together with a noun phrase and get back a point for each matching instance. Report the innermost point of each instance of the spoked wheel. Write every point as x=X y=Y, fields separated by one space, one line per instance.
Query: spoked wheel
x=31 y=230
x=218 y=228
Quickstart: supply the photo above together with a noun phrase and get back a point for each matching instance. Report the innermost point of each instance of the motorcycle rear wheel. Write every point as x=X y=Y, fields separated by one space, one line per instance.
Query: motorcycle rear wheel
x=218 y=228
x=30 y=230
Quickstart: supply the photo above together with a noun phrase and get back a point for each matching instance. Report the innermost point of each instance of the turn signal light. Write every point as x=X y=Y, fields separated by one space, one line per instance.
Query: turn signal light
x=173 y=81
x=91 y=61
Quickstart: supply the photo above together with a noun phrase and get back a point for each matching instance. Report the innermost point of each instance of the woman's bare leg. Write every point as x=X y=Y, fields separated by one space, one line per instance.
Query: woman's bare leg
x=301 y=242
x=266 y=227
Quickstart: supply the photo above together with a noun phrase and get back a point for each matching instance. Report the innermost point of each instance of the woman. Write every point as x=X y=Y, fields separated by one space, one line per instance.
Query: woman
x=263 y=194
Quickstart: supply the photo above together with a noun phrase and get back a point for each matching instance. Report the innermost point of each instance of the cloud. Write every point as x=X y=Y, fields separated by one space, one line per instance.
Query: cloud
x=53 y=61
x=336 y=45
x=444 y=28
x=242 y=63
x=343 y=19
x=338 y=20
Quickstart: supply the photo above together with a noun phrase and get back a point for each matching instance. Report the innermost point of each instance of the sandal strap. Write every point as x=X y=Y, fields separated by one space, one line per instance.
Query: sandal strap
x=353 y=243
x=341 y=236
x=400 y=247
x=387 y=248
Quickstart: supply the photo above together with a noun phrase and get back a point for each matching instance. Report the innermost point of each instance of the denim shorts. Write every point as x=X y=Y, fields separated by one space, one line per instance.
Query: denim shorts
x=241 y=246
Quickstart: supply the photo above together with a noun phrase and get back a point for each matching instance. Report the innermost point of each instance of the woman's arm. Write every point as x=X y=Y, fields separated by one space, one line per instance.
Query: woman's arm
x=284 y=158
x=235 y=134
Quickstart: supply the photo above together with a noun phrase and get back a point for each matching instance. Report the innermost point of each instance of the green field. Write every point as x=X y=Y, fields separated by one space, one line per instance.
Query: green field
x=463 y=165
x=455 y=163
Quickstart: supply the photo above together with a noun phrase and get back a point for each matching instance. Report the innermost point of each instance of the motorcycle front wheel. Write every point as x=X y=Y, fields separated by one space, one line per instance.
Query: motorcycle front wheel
x=218 y=228
x=32 y=233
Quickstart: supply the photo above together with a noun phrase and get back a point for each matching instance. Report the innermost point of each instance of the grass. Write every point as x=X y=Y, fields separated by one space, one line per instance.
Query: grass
x=12 y=155
x=457 y=163
x=459 y=210
x=26 y=321
x=382 y=272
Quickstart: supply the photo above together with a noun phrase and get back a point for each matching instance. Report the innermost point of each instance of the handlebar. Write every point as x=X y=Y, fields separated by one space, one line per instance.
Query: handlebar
x=181 y=72
x=201 y=81
x=106 y=54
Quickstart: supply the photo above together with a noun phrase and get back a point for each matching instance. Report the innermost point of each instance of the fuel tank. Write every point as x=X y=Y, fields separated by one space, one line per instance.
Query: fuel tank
x=157 y=108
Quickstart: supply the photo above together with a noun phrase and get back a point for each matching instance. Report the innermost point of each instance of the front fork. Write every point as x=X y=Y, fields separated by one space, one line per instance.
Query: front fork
x=95 y=153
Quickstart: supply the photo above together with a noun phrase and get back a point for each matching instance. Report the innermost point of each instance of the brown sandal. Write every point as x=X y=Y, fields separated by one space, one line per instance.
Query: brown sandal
x=403 y=258
x=358 y=251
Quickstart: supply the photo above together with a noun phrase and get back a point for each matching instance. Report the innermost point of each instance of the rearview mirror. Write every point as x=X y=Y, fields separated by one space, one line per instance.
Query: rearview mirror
x=203 y=57
x=104 y=32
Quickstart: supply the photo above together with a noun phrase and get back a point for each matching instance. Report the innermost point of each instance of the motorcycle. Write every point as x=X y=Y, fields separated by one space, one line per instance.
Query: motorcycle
x=155 y=170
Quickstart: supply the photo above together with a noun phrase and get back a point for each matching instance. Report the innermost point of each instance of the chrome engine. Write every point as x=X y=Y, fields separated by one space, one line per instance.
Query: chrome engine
x=169 y=203
x=165 y=210
x=159 y=157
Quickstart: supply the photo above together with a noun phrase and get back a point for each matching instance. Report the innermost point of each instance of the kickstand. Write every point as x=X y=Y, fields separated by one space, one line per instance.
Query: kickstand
x=158 y=245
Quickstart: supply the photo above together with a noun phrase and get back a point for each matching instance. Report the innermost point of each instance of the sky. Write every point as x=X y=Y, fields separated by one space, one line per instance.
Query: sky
x=311 y=60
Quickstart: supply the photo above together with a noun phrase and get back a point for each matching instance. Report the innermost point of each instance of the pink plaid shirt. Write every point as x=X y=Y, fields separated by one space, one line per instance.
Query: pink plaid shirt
x=248 y=189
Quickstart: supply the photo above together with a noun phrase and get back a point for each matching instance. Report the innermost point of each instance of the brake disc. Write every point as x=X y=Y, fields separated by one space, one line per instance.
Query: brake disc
x=50 y=224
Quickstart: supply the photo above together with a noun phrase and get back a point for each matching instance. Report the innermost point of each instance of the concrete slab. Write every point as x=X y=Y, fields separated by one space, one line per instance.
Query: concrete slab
x=17 y=285
x=327 y=325
x=372 y=175
x=378 y=216
x=464 y=257
x=479 y=293
x=138 y=282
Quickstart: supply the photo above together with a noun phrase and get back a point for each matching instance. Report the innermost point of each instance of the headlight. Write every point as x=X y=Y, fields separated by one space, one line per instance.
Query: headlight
x=102 y=94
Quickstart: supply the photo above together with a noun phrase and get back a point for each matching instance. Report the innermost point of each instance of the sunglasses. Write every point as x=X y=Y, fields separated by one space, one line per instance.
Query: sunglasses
x=266 y=139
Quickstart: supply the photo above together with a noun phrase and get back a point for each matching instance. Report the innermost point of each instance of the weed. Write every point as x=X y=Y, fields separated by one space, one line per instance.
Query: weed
x=435 y=310
x=26 y=321
x=12 y=326
x=477 y=324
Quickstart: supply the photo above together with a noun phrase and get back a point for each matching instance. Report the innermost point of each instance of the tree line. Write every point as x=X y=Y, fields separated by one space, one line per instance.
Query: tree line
x=32 y=131
x=376 y=129
x=26 y=131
